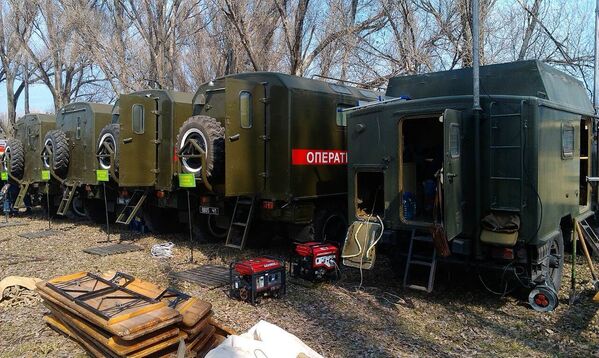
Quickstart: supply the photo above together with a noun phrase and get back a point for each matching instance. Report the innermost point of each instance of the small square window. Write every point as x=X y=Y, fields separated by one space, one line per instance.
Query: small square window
x=567 y=141
x=454 y=140
x=245 y=109
x=138 y=118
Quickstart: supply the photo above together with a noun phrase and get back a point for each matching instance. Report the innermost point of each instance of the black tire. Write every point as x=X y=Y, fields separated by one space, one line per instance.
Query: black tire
x=330 y=225
x=58 y=159
x=205 y=228
x=109 y=135
x=160 y=220
x=556 y=261
x=78 y=206
x=14 y=158
x=209 y=134
x=95 y=211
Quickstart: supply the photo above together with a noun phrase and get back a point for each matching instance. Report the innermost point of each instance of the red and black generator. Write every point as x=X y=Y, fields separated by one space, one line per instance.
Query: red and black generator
x=255 y=278
x=314 y=261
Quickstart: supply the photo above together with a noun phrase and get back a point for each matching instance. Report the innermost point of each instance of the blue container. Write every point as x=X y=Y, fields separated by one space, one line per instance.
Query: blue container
x=408 y=205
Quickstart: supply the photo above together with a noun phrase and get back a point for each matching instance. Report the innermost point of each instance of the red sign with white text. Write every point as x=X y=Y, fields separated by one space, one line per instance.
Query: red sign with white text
x=2 y=146
x=318 y=157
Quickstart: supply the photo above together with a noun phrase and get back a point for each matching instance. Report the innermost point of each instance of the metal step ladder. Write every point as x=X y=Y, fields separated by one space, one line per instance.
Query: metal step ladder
x=240 y=222
x=590 y=236
x=421 y=260
x=67 y=198
x=132 y=207
x=20 y=202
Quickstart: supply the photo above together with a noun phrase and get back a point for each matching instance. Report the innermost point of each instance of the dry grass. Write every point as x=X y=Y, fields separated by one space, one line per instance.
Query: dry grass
x=379 y=320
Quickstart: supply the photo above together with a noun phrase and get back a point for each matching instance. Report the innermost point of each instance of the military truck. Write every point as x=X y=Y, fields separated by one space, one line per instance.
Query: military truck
x=69 y=154
x=412 y=172
x=227 y=125
x=269 y=148
x=22 y=162
x=137 y=148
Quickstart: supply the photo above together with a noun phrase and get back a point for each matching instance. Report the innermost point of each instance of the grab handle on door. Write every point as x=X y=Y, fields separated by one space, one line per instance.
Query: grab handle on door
x=127 y=140
x=234 y=137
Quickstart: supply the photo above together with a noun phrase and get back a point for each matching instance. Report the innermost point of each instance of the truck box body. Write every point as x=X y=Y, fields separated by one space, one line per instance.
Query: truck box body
x=82 y=122
x=293 y=148
x=146 y=153
x=31 y=130
x=537 y=148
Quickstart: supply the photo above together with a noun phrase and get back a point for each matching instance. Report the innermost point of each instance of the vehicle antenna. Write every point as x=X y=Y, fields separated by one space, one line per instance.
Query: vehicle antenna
x=476 y=109
x=596 y=60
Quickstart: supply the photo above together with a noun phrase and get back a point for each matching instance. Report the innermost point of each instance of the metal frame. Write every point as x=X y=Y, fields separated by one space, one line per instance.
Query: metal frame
x=64 y=288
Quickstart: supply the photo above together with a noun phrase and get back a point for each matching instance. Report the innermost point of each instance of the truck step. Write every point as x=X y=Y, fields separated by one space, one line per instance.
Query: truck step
x=130 y=210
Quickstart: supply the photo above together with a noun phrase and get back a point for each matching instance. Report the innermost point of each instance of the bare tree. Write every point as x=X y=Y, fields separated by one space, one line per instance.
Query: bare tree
x=15 y=18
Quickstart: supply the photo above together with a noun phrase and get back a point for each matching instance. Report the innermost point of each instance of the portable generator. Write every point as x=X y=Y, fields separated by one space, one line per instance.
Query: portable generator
x=314 y=261
x=255 y=278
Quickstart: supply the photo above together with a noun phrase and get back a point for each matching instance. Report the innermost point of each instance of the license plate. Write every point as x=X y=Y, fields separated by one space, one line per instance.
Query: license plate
x=208 y=210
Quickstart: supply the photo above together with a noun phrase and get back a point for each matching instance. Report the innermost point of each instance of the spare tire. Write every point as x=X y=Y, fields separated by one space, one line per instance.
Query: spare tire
x=13 y=160
x=55 y=153
x=209 y=134
x=109 y=137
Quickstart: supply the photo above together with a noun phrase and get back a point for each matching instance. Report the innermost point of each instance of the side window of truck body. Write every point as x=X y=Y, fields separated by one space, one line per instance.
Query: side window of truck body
x=137 y=113
x=567 y=140
x=245 y=109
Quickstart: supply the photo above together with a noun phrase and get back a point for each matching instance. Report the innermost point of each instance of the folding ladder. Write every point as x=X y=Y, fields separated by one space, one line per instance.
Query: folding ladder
x=132 y=207
x=67 y=198
x=240 y=222
x=590 y=236
x=421 y=260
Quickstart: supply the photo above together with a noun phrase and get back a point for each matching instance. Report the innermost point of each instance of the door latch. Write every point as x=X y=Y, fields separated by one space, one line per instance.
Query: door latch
x=234 y=137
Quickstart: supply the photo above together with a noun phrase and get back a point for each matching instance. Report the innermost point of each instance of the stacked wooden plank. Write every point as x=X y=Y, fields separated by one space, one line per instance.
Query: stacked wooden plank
x=117 y=315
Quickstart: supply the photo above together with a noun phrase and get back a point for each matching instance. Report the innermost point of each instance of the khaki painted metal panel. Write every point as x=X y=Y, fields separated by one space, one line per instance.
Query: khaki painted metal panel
x=313 y=126
x=181 y=110
x=82 y=123
x=31 y=130
x=244 y=149
x=137 y=156
x=452 y=173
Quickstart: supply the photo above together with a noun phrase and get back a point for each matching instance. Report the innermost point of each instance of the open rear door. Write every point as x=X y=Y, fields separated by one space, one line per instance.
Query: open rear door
x=452 y=173
x=138 y=142
x=245 y=140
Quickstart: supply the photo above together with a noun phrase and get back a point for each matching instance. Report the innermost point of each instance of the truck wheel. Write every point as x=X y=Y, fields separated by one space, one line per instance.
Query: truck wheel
x=209 y=134
x=109 y=138
x=14 y=158
x=55 y=153
x=95 y=211
x=77 y=206
x=209 y=228
x=556 y=261
x=329 y=224
x=160 y=220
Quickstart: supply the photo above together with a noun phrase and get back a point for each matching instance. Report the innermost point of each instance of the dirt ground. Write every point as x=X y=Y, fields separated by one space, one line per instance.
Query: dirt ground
x=337 y=319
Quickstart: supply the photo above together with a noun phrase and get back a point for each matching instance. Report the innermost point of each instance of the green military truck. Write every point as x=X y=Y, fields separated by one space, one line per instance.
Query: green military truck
x=69 y=154
x=22 y=162
x=412 y=171
x=137 y=148
x=272 y=143
x=270 y=148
